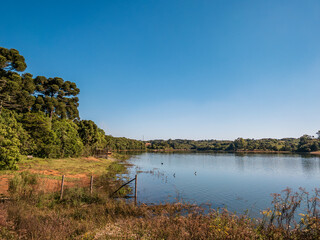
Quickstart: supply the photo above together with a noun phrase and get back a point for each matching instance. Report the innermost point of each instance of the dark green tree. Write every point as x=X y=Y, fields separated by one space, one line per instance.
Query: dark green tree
x=56 y=97
x=306 y=143
x=39 y=128
x=93 y=138
x=16 y=91
x=10 y=59
x=240 y=143
x=9 y=140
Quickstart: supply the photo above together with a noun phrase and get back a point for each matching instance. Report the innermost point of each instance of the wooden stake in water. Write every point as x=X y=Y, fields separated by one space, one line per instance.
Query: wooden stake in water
x=91 y=184
x=61 y=192
x=135 y=189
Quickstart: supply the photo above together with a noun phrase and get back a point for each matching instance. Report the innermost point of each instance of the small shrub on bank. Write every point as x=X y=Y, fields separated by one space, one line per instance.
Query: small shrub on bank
x=78 y=196
x=23 y=185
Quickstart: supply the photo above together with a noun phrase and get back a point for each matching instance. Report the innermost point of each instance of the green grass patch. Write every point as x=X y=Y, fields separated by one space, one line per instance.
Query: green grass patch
x=65 y=166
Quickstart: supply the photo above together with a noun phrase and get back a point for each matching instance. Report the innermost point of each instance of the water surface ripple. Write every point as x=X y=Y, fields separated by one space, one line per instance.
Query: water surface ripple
x=239 y=182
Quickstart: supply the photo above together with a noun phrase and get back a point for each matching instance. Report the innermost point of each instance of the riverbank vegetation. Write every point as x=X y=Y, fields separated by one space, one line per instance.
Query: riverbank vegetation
x=305 y=143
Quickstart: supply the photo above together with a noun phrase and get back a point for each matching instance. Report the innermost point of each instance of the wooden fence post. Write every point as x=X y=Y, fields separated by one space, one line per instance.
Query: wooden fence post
x=135 y=189
x=91 y=184
x=61 y=192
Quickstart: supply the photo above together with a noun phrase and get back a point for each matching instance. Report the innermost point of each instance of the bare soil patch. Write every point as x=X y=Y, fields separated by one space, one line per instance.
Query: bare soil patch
x=4 y=184
x=92 y=159
x=77 y=172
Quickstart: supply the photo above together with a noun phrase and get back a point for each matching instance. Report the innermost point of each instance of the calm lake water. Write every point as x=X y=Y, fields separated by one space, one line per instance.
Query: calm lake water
x=238 y=182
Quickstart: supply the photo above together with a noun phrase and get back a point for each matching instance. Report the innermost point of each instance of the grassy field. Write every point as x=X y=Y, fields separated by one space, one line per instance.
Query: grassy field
x=70 y=166
x=77 y=171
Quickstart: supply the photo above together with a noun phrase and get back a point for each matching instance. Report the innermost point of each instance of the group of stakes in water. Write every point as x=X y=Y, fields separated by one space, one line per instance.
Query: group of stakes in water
x=174 y=175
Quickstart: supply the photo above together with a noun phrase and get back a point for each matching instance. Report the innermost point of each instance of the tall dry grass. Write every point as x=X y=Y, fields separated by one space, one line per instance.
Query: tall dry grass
x=34 y=214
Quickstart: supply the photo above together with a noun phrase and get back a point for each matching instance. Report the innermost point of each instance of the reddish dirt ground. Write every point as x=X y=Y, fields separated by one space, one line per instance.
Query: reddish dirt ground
x=4 y=181
x=47 y=184
x=51 y=185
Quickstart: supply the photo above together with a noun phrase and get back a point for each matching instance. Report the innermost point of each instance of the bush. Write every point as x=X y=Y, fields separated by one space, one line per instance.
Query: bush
x=23 y=185
x=9 y=140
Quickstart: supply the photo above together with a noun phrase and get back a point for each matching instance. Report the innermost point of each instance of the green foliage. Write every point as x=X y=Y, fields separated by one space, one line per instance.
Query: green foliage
x=92 y=137
x=16 y=91
x=10 y=59
x=121 y=143
x=67 y=138
x=39 y=128
x=23 y=184
x=88 y=131
x=57 y=138
x=78 y=196
x=10 y=134
x=40 y=122
x=240 y=144
x=117 y=168
x=308 y=144
x=56 y=97
x=23 y=93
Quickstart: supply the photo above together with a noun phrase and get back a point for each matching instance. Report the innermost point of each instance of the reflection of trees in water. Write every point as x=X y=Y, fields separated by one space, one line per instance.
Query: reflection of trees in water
x=241 y=154
x=304 y=164
x=310 y=165
x=274 y=162
x=240 y=163
x=253 y=162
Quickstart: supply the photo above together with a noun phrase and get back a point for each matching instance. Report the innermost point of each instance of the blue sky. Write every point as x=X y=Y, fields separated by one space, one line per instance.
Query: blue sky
x=195 y=69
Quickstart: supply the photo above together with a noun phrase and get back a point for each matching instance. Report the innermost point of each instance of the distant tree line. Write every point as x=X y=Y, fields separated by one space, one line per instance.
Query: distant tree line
x=39 y=116
x=305 y=143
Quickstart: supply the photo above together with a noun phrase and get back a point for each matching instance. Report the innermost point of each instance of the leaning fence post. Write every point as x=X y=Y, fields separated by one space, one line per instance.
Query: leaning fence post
x=135 y=189
x=61 y=192
x=91 y=184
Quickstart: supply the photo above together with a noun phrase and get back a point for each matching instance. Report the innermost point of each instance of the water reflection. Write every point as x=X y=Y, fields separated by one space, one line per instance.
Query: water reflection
x=239 y=181
x=240 y=164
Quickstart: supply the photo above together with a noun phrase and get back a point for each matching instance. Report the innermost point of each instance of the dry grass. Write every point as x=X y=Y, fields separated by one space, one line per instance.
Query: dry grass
x=80 y=215
x=76 y=171
x=66 y=166
x=34 y=213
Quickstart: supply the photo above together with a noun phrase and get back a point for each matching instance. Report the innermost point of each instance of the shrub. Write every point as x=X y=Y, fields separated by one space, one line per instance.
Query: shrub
x=23 y=185
x=9 y=140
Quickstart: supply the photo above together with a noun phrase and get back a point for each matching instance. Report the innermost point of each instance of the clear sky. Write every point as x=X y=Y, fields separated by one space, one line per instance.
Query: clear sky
x=196 y=69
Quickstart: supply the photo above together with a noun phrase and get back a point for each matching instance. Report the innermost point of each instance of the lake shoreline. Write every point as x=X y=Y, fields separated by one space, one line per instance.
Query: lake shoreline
x=214 y=151
x=315 y=153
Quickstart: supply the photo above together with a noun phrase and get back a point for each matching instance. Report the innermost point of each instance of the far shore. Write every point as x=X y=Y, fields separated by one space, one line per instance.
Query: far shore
x=215 y=151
